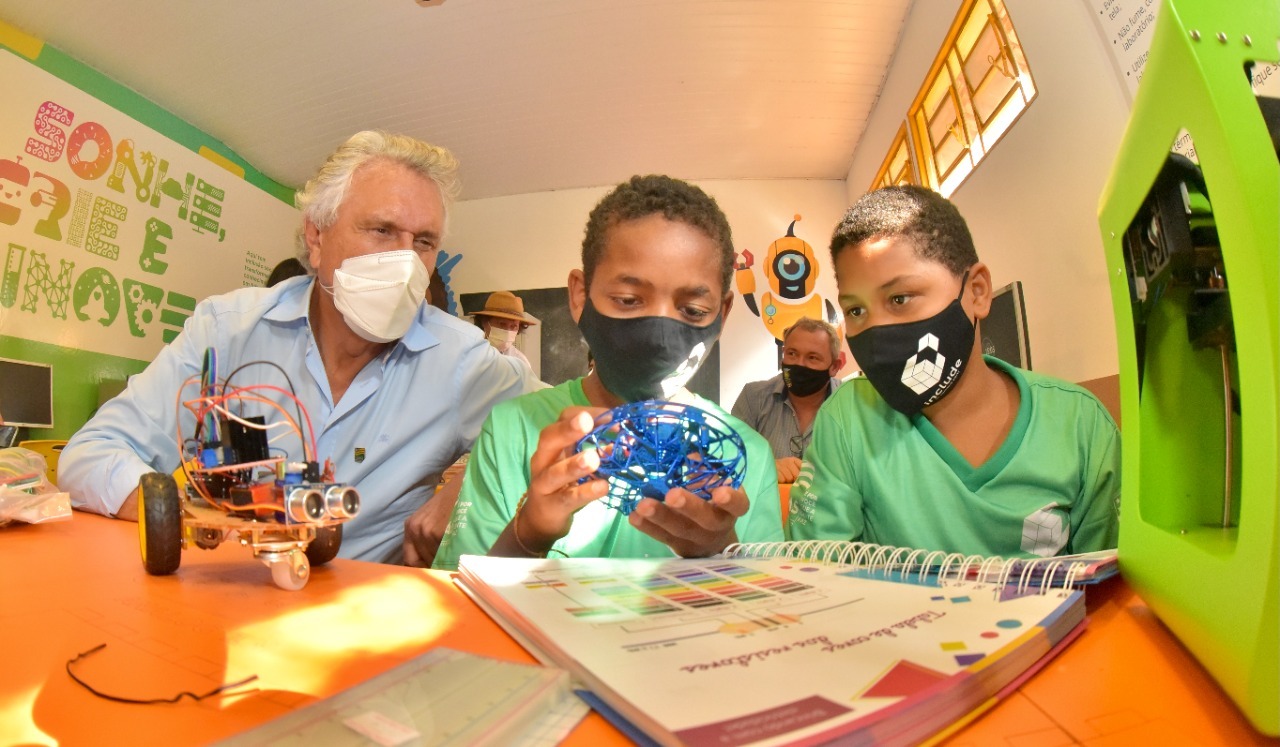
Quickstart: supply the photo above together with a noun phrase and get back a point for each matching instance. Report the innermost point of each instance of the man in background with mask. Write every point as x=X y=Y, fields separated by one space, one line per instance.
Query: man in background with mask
x=650 y=299
x=782 y=409
x=501 y=320
x=940 y=448
x=394 y=388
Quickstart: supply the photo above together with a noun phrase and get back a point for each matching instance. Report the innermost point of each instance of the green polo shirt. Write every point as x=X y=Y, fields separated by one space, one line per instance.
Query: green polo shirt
x=498 y=474
x=876 y=475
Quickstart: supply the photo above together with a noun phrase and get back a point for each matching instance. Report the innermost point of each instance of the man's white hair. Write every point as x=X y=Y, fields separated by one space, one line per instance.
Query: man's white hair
x=323 y=194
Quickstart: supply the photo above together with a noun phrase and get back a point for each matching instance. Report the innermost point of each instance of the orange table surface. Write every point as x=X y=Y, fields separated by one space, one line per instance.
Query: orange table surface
x=69 y=586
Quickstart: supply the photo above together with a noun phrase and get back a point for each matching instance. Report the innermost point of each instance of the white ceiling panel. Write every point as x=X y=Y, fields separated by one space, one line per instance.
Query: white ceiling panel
x=531 y=95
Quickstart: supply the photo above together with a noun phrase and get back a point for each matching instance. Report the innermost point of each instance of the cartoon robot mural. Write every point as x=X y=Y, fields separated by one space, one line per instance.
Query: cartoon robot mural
x=791 y=269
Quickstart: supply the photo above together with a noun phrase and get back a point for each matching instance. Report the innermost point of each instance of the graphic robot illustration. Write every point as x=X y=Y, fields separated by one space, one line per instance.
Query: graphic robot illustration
x=791 y=269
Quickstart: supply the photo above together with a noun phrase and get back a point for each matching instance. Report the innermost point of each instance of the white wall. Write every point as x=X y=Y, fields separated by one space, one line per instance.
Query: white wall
x=1032 y=204
x=534 y=240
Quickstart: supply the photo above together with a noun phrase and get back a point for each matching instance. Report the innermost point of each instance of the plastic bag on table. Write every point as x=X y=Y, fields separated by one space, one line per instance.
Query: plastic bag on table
x=26 y=494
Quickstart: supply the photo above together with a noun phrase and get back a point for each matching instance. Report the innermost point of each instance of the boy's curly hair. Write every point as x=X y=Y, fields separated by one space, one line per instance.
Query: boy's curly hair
x=923 y=217
x=674 y=200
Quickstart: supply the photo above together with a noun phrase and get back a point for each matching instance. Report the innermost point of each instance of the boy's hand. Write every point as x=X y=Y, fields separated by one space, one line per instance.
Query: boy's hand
x=690 y=526
x=788 y=469
x=554 y=493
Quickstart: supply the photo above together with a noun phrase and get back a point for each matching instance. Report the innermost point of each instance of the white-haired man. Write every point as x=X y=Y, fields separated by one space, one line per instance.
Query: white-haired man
x=396 y=390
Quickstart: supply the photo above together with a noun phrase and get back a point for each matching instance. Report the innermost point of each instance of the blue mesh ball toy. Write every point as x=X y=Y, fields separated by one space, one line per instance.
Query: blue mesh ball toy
x=646 y=448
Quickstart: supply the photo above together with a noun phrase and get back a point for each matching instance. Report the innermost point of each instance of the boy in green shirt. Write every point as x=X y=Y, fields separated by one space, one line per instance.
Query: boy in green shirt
x=939 y=447
x=650 y=299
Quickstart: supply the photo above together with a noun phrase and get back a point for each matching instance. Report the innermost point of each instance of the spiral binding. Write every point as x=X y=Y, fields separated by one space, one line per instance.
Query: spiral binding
x=1021 y=575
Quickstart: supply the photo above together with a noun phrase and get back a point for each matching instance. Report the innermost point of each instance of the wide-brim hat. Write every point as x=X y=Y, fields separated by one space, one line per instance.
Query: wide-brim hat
x=505 y=305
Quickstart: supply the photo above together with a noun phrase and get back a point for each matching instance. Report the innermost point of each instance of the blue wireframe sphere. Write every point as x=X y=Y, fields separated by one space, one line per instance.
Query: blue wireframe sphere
x=646 y=448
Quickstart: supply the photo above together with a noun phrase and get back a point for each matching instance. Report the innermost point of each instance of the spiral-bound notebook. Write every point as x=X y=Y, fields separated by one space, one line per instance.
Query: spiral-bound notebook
x=906 y=564
x=774 y=651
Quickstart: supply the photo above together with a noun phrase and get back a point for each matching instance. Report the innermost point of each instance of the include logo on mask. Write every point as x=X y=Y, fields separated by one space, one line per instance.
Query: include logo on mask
x=802 y=380
x=918 y=374
x=379 y=294
x=648 y=357
x=915 y=364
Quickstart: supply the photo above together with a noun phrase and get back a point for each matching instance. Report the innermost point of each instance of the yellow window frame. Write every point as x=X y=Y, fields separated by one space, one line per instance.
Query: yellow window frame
x=980 y=52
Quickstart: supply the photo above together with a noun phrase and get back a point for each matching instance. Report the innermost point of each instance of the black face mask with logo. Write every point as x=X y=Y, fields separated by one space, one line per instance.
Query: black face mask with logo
x=646 y=357
x=915 y=364
x=802 y=380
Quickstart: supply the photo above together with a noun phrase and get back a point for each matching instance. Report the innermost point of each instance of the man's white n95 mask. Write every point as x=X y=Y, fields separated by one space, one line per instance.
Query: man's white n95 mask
x=379 y=294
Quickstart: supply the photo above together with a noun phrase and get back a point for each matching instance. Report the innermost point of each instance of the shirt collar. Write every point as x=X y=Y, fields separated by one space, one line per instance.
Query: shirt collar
x=295 y=306
x=293 y=303
x=779 y=386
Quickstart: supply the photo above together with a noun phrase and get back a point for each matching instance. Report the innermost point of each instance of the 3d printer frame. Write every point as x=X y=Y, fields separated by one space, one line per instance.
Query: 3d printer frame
x=1194 y=259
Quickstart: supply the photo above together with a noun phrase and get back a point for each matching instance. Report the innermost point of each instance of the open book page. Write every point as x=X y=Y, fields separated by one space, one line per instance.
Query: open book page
x=737 y=652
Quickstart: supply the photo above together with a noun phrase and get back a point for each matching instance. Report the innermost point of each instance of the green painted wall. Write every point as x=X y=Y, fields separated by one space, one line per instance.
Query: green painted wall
x=76 y=377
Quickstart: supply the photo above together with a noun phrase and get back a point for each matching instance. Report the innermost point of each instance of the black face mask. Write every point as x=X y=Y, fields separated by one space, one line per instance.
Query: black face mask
x=802 y=380
x=915 y=364
x=646 y=357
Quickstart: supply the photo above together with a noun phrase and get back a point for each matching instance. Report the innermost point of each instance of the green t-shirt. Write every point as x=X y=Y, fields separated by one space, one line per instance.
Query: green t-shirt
x=876 y=475
x=498 y=474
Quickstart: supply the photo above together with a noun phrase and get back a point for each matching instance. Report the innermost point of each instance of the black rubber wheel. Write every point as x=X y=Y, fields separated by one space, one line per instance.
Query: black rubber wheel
x=325 y=546
x=159 y=523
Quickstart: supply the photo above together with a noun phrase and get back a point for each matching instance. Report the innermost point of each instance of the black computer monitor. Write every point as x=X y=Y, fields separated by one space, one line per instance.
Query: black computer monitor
x=26 y=393
x=1004 y=331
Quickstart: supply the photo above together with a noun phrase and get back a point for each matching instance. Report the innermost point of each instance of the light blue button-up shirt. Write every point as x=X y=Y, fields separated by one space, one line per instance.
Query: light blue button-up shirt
x=408 y=414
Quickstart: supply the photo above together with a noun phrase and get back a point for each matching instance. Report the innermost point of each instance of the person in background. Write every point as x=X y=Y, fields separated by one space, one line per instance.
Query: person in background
x=939 y=447
x=651 y=300
x=396 y=390
x=501 y=320
x=782 y=409
x=288 y=268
